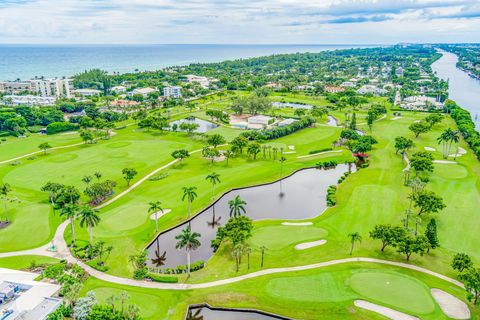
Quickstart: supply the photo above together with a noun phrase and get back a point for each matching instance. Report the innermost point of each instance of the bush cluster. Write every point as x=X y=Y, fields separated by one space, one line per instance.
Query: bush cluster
x=331 y=198
x=56 y=127
x=278 y=132
x=161 y=278
x=183 y=268
x=326 y=164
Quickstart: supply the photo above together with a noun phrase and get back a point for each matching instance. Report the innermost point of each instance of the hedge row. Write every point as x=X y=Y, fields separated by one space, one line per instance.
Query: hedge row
x=279 y=132
x=331 y=198
x=56 y=127
x=466 y=127
x=162 y=278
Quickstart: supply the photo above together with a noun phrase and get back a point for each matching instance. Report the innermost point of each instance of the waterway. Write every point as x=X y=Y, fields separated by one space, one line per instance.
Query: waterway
x=463 y=89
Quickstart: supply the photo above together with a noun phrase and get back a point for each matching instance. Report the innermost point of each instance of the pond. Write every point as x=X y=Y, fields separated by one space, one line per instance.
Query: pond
x=203 y=125
x=291 y=105
x=332 y=121
x=299 y=196
x=209 y=313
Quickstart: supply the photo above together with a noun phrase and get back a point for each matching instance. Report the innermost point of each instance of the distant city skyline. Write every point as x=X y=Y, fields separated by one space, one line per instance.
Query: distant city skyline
x=238 y=22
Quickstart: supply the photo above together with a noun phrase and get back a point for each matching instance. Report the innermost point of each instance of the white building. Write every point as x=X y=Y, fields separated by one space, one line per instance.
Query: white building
x=172 y=92
x=43 y=87
x=53 y=87
x=420 y=103
x=141 y=91
x=259 y=121
x=118 y=89
x=29 y=100
x=32 y=300
x=348 y=84
x=286 y=122
x=368 y=88
x=87 y=92
x=202 y=81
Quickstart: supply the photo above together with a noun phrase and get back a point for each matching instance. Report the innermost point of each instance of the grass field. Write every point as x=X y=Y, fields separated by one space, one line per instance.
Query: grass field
x=368 y=197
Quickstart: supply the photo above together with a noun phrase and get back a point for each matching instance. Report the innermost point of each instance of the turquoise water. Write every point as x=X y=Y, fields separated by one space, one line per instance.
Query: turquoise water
x=27 y=61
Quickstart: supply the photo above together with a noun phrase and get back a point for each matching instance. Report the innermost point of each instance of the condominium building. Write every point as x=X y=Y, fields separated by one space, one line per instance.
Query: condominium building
x=172 y=92
x=43 y=87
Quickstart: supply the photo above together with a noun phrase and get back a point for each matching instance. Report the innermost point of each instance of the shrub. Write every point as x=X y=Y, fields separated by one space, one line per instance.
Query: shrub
x=56 y=127
x=162 y=278
x=326 y=164
x=54 y=271
x=279 y=131
x=94 y=264
x=331 y=197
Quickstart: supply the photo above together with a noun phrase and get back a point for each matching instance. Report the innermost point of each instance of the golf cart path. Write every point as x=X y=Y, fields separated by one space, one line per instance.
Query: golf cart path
x=142 y=180
x=384 y=311
x=41 y=151
x=62 y=252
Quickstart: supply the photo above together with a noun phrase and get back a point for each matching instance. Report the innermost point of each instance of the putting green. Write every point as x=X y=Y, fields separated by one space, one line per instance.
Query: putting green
x=277 y=237
x=64 y=157
x=393 y=289
x=119 y=144
x=451 y=171
x=323 y=287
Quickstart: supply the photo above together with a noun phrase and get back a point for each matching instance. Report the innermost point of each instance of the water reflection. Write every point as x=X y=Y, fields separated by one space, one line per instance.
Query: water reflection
x=208 y=313
x=304 y=196
x=203 y=125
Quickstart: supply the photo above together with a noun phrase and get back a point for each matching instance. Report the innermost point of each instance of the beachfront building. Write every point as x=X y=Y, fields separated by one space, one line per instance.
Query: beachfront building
x=43 y=87
x=172 y=92
x=28 y=100
x=87 y=92
x=144 y=92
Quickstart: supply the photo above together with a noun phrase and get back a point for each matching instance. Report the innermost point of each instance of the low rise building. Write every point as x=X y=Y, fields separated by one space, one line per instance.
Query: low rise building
x=118 y=89
x=29 y=100
x=172 y=92
x=334 y=89
x=420 y=103
x=259 y=121
x=348 y=84
x=87 y=92
x=202 y=81
x=286 y=122
x=144 y=92
x=368 y=88
x=15 y=87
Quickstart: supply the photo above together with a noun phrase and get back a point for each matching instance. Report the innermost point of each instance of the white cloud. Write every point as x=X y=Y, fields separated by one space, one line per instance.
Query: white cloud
x=237 y=21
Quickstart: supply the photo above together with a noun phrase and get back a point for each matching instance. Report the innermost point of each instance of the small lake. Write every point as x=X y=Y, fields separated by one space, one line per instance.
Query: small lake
x=277 y=104
x=299 y=196
x=203 y=125
x=332 y=121
x=208 y=313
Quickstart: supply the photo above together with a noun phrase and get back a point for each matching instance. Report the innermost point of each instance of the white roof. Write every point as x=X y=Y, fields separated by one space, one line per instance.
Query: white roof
x=260 y=117
x=144 y=90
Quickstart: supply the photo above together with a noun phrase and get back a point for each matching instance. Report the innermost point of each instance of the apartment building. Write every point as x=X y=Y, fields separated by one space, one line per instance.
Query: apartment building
x=172 y=92
x=42 y=87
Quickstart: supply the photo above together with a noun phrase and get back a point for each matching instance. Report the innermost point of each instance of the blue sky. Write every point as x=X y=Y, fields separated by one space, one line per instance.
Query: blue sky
x=239 y=21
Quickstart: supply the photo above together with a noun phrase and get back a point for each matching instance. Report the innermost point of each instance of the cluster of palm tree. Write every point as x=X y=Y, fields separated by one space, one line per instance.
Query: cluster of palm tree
x=88 y=216
x=447 y=138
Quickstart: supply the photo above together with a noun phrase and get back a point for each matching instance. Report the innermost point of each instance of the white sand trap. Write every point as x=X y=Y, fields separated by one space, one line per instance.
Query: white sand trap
x=291 y=147
x=417 y=121
x=450 y=305
x=384 y=311
x=297 y=223
x=68 y=133
x=308 y=245
x=429 y=149
x=290 y=152
x=445 y=161
x=396 y=118
x=160 y=214
x=460 y=152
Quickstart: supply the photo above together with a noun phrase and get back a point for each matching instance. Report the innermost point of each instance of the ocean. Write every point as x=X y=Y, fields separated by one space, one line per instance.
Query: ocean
x=28 y=61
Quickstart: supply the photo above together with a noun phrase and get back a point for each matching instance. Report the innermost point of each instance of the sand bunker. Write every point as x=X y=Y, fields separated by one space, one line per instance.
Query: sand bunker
x=308 y=245
x=160 y=214
x=291 y=147
x=429 y=149
x=384 y=311
x=297 y=223
x=460 y=152
x=450 y=305
x=445 y=161
x=396 y=118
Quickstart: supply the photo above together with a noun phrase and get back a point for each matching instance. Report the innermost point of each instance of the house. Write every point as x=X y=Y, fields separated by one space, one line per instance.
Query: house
x=286 y=122
x=368 y=88
x=123 y=103
x=144 y=92
x=87 y=92
x=259 y=121
x=204 y=82
x=399 y=72
x=334 y=89
x=304 y=87
x=420 y=103
x=347 y=84
x=118 y=89
x=172 y=92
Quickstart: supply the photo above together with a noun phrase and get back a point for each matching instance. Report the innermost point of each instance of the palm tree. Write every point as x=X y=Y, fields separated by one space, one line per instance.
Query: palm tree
x=455 y=137
x=282 y=160
x=263 y=249
x=97 y=175
x=354 y=237
x=70 y=212
x=155 y=207
x=214 y=178
x=89 y=218
x=237 y=206
x=228 y=154
x=190 y=194
x=446 y=138
x=87 y=180
x=188 y=240
x=5 y=189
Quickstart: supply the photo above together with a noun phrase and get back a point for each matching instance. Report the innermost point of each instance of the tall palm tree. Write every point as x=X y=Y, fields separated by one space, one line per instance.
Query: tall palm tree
x=237 y=206
x=213 y=178
x=70 y=212
x=263 y=249
x=89 y=218
x=155 y=206
x=446 y=138
x=455 y=137
x=188 y=240
x=5 y=189
x=190 y=194
x=354 y=237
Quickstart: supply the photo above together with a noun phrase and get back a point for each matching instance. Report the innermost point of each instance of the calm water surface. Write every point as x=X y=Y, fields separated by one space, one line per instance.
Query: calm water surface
x=205 y=313
x=300 y=196
x=464 y=89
